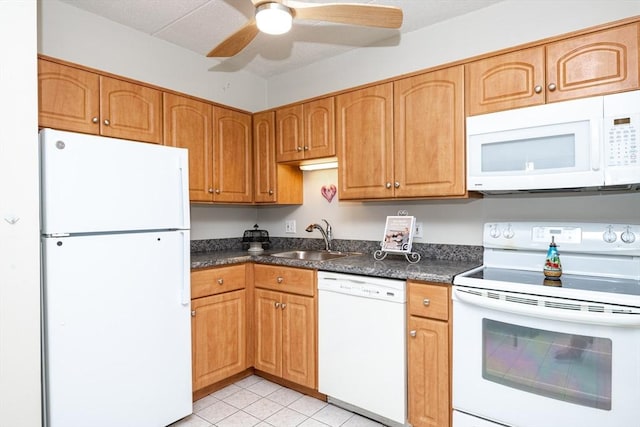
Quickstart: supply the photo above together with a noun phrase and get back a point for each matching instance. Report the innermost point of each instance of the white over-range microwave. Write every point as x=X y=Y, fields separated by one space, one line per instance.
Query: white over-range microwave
x=590 y=143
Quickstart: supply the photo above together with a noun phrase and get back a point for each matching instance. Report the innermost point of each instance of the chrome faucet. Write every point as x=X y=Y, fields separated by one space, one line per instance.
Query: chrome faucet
x=327 y=233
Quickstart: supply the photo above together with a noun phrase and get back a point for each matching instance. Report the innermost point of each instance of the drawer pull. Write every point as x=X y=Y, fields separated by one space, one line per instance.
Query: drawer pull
x=279 y=279
x=426 y=302
x=413 y=334
x=220 y=281
x=193 y=313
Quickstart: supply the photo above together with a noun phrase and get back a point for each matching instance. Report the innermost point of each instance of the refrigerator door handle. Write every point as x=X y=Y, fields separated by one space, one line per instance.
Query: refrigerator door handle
x=184 y=190
x=185 y=290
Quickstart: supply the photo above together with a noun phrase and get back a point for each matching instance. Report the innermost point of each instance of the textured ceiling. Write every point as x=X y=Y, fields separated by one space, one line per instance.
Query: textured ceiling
x=199 y=25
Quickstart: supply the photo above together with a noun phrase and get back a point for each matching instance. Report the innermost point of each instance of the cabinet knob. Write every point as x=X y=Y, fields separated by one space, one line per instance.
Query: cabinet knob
x=537 y=89
x=299 y=148
x=388 y=185
x=107 y=122
x=220 y=281
x=283 y=306
x=193 y=313
x=552 y=87
x=396 y=184
x=276 y=304
x=210 y=190
x=271 y=192
x=306 y=148
x=95 y=120
x=217 y=191
x=426 y=302
x=280 y=279
x=413 y=334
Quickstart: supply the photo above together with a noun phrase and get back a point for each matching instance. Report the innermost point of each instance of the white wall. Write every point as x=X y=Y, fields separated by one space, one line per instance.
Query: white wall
x=69 y=33
x=505 y=24
x=19 y=242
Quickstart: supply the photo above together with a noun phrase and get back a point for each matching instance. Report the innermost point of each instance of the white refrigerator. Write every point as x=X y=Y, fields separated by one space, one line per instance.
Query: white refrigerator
x=116 y=289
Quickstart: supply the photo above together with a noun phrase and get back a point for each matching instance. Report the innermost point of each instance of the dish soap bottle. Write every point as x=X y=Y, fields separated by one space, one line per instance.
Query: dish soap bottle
x=552 y=267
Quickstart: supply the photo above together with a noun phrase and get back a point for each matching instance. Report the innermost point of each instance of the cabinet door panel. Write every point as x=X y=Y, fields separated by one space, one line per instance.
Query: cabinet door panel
x=232 y=156
x=319 y=129
x=428 y=373
x=219 y=337
x=594 y=64
x=298 y=340
x=289 y=133
x=68 y=98
x=429 y=138
x=267 y=330
x=364 y=138
x=132 y=111
x=506 y=81
x=188 y=124
x=264 y=162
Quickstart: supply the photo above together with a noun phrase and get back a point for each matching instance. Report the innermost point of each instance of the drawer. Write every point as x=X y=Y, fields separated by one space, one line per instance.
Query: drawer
x=217 y=280
x=427 y=300
x=286 y=279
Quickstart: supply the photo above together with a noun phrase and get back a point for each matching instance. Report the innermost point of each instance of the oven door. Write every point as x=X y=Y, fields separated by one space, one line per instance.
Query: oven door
x=531 y=361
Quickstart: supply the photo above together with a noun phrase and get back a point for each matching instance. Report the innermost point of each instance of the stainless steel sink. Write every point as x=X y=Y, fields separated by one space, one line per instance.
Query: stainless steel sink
x=313 y=255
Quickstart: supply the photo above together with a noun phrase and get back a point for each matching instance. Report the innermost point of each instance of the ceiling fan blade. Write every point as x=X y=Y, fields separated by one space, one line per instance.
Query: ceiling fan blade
x=348 y=13
x=236 y=41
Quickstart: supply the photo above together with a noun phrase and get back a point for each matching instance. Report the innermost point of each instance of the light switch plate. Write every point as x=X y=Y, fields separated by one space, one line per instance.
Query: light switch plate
x=290 y=226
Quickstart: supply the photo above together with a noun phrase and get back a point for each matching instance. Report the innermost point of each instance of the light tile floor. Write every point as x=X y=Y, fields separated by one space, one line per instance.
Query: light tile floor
x=254 y=401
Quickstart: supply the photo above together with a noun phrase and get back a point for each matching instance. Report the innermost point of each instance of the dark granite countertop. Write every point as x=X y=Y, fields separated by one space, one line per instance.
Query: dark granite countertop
x=393 y=266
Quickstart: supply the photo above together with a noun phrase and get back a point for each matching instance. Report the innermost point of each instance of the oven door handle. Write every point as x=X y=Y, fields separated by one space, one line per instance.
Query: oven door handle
x=563 y=314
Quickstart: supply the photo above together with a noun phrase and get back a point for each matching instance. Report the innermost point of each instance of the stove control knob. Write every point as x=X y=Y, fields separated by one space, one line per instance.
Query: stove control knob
x=508 y=233
x=609 y=236
x=494 y=232
x=628 y=236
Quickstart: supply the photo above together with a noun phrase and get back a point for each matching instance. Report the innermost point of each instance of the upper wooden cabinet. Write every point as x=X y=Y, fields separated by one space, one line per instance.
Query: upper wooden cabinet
x=403 y=139
x=272 y=182
x=78 y=100
x=593 y=64
x=220 y=149
x=305 y=131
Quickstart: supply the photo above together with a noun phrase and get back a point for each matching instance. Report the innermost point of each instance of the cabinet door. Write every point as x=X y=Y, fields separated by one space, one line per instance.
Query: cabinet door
x=232 y=157
x=188 y=124
x=319 y=129
x=68 y=98
x=268 y=332
x=428 y=373
x=429 y=140
x=264 y=162
x=299 y=340
x=506 y=81
x=364 y=138
x=218 y=331
x=289 y=133
x=594 y=64
x=130 y=111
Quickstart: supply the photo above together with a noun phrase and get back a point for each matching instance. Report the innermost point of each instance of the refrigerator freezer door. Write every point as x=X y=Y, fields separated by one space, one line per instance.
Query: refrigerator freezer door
x=117 y=334
x=95 y=184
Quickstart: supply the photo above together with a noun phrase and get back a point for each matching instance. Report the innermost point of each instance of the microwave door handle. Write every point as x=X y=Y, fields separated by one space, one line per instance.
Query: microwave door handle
x=596 y=142
x=567 y=315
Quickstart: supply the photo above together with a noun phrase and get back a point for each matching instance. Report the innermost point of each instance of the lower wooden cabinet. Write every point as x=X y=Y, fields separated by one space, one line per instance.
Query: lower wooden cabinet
x=218 y=324
x=285 y=324
x=429 y=370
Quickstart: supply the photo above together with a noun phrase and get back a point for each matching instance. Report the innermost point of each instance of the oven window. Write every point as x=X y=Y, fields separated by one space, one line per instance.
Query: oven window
x=571 y=368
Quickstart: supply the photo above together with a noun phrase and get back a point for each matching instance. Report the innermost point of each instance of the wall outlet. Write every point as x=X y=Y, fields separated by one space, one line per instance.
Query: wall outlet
x=418 y=231
x=290 y=226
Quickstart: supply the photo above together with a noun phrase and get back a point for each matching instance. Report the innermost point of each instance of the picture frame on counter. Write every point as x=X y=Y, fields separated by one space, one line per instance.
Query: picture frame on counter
x=398 y=234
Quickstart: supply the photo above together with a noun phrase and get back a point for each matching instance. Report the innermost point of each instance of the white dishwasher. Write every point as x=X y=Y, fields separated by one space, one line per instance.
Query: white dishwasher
x=361 y=345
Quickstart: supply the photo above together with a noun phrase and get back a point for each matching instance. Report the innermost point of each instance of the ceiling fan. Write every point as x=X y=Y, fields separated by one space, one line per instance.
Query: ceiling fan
x=276 y=16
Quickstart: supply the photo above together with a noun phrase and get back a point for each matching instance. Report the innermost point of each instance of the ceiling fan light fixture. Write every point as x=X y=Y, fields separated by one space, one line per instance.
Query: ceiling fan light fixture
x=273 y=18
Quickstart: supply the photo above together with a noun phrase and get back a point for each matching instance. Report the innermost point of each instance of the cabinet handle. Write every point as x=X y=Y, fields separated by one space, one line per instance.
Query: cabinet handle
x=283 y=306
x=299 y=148
x=280 y=279
x=217 y=191
x=537 y=89
x=95 y=120
x=276 y=304
x=271 y=192
x=552 y=87
x=426 y=302
x=388 y=185
x=193 y=313
x=220 y=281
x=211 y=191
x=413 y=334
x=306 y=148
x=107 y=122
x=396 y=184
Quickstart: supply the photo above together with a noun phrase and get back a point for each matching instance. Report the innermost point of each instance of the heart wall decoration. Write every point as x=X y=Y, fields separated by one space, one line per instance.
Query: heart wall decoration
x=328 y=192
